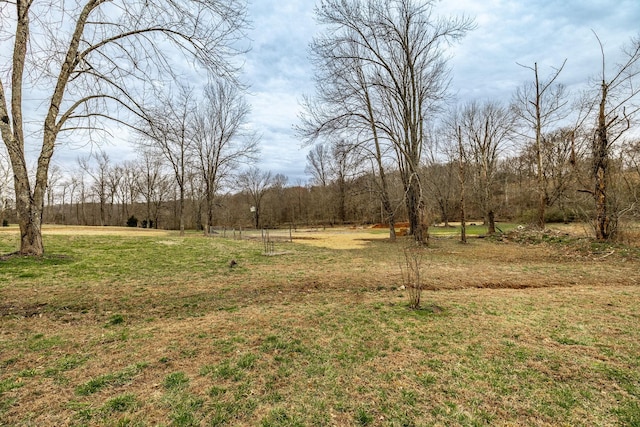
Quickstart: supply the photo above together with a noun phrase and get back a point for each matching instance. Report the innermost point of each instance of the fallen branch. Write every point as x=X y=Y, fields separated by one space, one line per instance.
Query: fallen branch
x=606 y=255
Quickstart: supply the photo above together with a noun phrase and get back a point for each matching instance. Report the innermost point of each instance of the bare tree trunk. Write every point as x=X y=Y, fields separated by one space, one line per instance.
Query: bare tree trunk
x=542 y=199
x=384 y=186
x=29 y=219
x=209 y=210
x=181 y=208
x=491 y=226
x=31 y=238
x=28 y=206
x=342 y=198
x=415 y=210
x=600 y=165
x=462 y=176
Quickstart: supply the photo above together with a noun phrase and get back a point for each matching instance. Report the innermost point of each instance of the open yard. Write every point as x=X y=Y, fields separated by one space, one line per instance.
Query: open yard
x=117 y=327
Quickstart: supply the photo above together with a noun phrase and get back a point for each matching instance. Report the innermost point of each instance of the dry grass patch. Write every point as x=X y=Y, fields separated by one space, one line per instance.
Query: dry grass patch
x=338 y=239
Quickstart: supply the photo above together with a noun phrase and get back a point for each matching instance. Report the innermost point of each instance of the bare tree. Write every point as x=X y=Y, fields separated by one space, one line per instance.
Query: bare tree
x=440 y=172
x=169 y=131
x=278 y=201
x=318 y=164
x=115 y=175
x=487 y=128
x=631 y=156
x=80 y=187
x=396 y=49
x=220 y=140
x=457 y=151
x=99 y=174
x=557 y=166
x=128 y=188
x=55 y=178
x=345 y=103
x=343 y=168
x=99 y=59
x=462 y=177
x=255 y=182
x=616 y=105
x=153 y=185
x=540 y=105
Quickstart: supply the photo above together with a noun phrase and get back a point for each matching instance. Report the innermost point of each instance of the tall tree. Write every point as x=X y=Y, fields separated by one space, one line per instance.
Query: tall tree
x=559 y=154
x=99 y=174
x=153 y=184
x=462 y=177
x=221 y=141
x=346 y=102
x=616 y=103
x=98 y=59
x=540 y=105
x=128 y=188
x=487 y=128
x=169 y=132
x=321 y=167
x=400 y=45
x=115 y=177
x=440 y=172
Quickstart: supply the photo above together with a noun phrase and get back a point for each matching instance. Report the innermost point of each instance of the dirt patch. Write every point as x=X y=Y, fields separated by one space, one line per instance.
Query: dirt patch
x=27 y=310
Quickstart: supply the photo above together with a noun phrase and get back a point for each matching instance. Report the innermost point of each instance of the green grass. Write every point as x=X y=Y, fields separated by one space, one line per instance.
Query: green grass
x=176 y=381
x=119 y=378
x=121 y=403
x=130 y=330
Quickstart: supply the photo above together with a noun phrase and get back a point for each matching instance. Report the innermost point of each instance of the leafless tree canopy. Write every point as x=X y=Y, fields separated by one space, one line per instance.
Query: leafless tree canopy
x=617 y=104
x=221 y=142
x=539 y=105
x=255 y=183
x=382 y=73
x=486 y=130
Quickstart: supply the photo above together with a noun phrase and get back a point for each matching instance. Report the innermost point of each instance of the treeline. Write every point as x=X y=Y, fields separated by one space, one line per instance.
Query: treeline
x=144 y=191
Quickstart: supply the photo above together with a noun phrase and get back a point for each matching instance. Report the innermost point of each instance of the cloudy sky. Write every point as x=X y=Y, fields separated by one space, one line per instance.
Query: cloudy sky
x=484 y=64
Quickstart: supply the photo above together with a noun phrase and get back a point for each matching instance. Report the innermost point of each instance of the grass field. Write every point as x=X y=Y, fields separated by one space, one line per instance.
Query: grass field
x=116 y=327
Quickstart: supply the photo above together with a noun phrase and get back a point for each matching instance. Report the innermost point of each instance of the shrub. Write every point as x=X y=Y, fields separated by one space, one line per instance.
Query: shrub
x=132 y=221
x=411 y=270
x=147 y=223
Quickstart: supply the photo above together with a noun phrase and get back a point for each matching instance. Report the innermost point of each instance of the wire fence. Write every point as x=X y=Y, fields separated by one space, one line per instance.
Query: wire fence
x=269 y=237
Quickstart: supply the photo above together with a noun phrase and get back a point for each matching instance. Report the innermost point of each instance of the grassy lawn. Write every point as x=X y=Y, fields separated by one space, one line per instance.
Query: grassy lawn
x=122 y=328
